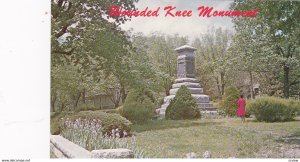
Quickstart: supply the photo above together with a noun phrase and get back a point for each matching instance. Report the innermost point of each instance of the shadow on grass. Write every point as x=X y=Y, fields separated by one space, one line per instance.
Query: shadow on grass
x=290 y=140
x=254 y=120
x=168 y=124
x=294 y=138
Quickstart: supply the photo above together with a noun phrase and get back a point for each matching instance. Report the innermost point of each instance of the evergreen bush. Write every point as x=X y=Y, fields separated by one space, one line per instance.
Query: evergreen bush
x=229 y=101
x=272 y=109
x=138 y=107
x=183 y=106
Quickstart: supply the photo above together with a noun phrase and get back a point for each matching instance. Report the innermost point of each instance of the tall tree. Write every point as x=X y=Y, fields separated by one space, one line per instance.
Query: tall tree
x=213 y=59
x=71 y=19
x=87 y=44
x=160 y=50
x=276 y=32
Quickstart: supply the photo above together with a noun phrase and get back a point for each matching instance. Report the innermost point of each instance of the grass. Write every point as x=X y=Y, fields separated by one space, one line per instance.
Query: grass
x=167 y=124
x=297 y=132
x=224 y=138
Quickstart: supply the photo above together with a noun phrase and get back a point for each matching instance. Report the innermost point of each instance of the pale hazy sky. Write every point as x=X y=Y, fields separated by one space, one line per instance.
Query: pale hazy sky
x=185 y=26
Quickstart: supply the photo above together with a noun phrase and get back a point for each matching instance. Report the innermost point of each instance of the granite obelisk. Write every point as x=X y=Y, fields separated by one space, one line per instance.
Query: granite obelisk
x=186 y=76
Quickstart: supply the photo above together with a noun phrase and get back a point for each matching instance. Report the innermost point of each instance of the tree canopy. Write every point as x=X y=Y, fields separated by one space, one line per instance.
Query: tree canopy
x=270 y=42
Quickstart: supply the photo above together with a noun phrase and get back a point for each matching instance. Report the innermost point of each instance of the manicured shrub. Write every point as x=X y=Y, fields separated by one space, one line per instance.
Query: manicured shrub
x=138 y=107
x=229 y=101
x=249 y=106
x=137 y=113
x=295 y=104
x=108 y=121
x=272 y=109
x=183 y=106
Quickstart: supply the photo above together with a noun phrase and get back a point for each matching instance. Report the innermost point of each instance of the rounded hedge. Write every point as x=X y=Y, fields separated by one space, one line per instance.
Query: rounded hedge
x=138 y=107
x=183 y=106
x=109 y=121
x=229 y=101
x=272 y=109
x=295 y=104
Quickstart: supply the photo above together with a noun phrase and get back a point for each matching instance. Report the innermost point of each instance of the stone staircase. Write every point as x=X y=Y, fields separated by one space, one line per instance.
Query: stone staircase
x=197 y=93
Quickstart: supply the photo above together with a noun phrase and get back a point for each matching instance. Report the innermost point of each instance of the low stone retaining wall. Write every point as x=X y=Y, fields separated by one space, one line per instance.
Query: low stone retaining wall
x=63 y=148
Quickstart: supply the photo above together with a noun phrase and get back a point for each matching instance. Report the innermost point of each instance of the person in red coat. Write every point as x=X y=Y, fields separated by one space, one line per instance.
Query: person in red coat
x=241 y=108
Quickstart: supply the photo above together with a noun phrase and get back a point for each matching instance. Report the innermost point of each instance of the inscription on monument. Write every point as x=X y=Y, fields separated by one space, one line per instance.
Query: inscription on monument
x=180 y=70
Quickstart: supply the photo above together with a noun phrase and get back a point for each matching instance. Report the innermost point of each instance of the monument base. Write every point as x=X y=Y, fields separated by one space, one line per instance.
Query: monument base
x=197 y=93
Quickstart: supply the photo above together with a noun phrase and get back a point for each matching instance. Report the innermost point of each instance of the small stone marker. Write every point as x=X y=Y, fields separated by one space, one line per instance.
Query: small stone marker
x=191 y=155
x=207 y=154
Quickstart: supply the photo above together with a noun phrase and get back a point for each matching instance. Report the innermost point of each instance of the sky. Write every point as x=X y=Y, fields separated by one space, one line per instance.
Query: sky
x=192 y=26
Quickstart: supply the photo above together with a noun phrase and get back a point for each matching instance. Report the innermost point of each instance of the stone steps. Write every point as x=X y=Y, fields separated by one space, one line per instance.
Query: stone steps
x=162 y=110
x=192 y=90
x=187 y=84
x=200 y=98
x=201 y=106
x=167 y=99
x=204 y=105
x=188 y=80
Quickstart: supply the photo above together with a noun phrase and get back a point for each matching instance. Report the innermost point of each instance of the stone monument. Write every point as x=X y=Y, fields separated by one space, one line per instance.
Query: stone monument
x=186 y=76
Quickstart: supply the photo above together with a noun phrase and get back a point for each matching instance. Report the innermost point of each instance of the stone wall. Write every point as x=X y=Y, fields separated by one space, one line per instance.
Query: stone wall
x=63 y=148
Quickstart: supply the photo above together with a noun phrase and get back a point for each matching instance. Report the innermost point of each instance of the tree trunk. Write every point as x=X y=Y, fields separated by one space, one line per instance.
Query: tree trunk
x=218 y=86
x=83 y=96
x=251 y=85
x=117 y=104
x=62 y=106
x=53 y=100
x=113 y=97
x=117 y=99
x=167 y=91
x=75 y=101
x=222 y=82
x=286 y=86
x=123 y=93
x=167 y=87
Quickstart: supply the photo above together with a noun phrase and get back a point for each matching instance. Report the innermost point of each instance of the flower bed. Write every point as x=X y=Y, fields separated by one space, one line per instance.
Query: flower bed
x=89 y=135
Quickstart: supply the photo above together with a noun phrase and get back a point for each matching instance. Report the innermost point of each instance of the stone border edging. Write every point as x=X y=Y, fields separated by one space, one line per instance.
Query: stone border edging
x=63 y=148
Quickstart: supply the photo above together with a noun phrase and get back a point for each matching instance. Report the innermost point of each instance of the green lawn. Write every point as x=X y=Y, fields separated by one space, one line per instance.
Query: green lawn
x=224 y=138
